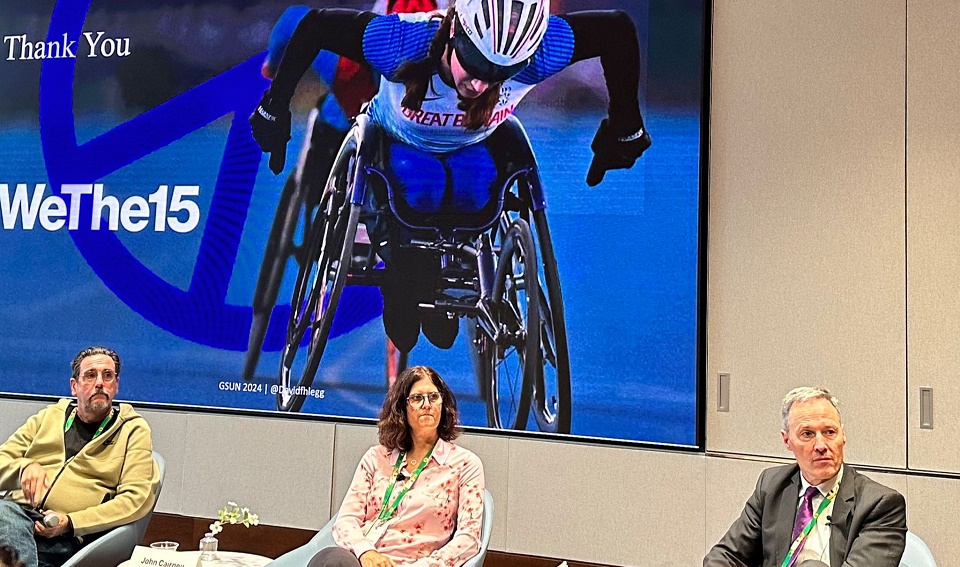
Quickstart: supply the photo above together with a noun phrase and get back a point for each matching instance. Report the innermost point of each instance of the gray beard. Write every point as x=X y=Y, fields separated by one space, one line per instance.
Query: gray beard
x=98 y=407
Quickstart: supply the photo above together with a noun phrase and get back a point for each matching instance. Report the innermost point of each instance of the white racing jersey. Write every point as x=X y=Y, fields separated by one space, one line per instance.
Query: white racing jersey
x=390 y=41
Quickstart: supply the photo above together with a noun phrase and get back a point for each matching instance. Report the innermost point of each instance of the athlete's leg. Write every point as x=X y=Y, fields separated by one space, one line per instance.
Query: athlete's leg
x=417 y=179
x=474 y=176
x=474 y=181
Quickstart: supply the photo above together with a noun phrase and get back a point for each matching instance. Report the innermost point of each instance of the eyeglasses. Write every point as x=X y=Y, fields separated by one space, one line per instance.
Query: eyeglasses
x=418 y=399
x=90 y=376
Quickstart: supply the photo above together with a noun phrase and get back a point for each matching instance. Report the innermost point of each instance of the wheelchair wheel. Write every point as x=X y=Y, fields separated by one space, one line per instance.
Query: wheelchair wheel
x=509 y=360
x=551 y=384
x=301 y=191
x=320 y=282
x=279 y=249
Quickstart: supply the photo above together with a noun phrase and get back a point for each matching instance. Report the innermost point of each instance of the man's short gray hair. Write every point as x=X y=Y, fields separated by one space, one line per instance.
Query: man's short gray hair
x=805 y=394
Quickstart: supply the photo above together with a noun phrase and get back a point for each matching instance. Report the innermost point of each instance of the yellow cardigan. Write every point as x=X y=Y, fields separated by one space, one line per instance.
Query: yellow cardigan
x=111 y=482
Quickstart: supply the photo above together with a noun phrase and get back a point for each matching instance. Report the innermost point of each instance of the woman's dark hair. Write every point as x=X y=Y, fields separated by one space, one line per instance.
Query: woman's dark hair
x=8 y=557
x=415 y=76
x=394 y=429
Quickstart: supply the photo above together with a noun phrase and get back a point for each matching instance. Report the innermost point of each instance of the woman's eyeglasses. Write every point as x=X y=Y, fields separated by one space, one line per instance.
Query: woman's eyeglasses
x=419 y=399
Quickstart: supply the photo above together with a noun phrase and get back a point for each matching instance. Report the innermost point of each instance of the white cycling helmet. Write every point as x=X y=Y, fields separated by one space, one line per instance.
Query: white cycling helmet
x=505 y=33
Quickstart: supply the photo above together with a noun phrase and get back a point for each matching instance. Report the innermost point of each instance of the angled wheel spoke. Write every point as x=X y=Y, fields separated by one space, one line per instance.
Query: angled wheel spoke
x=508 y=357
x=320 y=281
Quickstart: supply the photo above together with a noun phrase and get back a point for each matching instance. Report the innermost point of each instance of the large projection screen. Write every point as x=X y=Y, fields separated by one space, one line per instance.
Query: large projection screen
x=137 y=209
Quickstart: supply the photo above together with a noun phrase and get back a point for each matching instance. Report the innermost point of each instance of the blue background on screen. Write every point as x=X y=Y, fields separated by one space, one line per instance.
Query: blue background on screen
x=176 y=306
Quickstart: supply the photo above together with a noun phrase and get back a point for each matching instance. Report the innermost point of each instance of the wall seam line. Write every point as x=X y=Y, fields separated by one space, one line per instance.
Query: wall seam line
x=906 y=249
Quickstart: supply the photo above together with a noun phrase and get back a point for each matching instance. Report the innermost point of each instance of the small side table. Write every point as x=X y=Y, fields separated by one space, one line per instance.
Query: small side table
x=224 y=559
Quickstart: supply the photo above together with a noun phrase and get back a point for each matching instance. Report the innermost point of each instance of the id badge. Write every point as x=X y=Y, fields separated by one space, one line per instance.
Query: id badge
x=376 y=531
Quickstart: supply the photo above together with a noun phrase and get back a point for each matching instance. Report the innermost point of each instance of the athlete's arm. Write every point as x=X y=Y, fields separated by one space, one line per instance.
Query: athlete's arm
x=339 y=30
x=612 y=36
x=335 y=29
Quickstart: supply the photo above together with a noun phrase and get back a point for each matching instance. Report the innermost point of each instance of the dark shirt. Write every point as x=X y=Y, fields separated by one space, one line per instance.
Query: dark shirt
x=80 y=433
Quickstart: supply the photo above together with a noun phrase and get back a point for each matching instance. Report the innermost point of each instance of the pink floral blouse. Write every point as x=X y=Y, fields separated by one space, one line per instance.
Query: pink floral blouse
x=437 y=523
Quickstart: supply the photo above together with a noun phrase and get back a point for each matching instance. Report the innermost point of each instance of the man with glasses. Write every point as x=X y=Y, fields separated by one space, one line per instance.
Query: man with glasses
x=76 y=469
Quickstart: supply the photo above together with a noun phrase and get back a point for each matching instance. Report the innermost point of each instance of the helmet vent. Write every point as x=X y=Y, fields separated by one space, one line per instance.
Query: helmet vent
x=523 y=37
x=505 y=32
x=516 y=9
x=486 y=18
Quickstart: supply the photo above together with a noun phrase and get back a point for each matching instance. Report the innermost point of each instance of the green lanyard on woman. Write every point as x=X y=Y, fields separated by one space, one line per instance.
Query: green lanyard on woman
x=388 y=509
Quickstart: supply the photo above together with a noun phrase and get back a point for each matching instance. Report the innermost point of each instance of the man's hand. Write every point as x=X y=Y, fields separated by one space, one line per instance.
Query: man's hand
x=61 y=528
x=270 y=124
x=34 y=483
x=611 y=151
x=374 y=558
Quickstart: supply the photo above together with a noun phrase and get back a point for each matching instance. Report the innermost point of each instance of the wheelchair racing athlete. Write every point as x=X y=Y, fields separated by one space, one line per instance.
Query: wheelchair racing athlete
x=447 y=83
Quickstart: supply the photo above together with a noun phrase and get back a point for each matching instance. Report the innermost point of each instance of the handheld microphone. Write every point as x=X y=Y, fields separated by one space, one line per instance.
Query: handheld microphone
x=51 y=520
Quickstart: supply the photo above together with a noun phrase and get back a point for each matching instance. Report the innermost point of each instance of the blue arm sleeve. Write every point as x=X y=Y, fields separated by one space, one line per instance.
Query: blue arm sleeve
x=554 y=54
x=390 y=41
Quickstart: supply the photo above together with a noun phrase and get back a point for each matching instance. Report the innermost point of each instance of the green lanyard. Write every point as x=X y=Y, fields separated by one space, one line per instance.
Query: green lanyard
x=795 y=546
x=388 y=509
x=73 y=414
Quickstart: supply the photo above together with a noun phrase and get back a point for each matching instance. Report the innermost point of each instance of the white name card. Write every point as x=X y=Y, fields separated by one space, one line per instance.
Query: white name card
x=150 y=557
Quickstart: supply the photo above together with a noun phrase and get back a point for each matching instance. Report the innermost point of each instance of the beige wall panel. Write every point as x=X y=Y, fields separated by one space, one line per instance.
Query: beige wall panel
x=279 y=468
x=169 y=432
x=352 y=441
x=931 y=514
x=806 y=248
x=494 y=452
x=729 y=483
x=14 y=413
x=933 y=228
x=898 y=482
x=604 y=504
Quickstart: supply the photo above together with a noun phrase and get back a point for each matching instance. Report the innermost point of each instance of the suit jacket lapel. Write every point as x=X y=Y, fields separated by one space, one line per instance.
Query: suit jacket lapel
x=841 y=516
x=787 y=514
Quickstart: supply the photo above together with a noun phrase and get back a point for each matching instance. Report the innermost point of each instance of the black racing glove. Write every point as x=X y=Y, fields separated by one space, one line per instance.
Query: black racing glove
x=270 y=124
x=614 y=152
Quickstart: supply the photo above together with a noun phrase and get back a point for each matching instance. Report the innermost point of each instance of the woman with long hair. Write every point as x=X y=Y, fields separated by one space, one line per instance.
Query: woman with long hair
x=416 y=498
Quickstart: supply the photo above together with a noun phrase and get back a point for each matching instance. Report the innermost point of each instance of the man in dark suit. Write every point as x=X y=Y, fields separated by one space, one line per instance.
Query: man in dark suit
x=819 y=511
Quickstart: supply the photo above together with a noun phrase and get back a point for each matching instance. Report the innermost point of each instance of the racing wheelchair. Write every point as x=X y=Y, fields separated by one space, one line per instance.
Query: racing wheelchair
x=498 y=270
